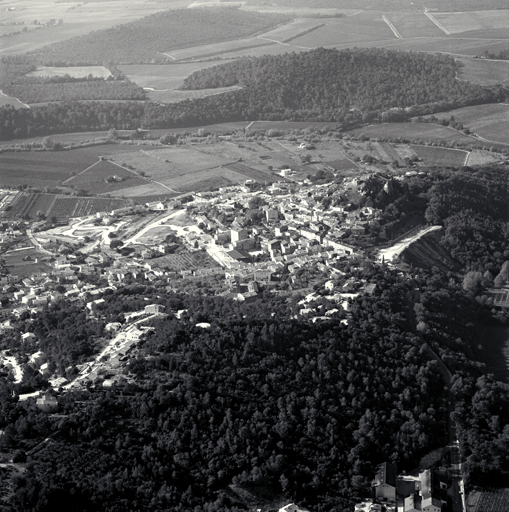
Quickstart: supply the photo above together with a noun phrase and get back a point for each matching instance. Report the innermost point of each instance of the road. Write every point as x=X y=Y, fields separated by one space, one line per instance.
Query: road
x=395 y=250
x=156 y=222
x=38 y=246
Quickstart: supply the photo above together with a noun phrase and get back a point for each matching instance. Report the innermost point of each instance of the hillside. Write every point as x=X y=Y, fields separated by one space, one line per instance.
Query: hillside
x=333 y=85
x=146 y=40
x=428 y=253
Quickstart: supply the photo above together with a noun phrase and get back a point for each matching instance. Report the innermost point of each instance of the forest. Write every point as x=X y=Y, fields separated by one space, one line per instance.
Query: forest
x=306 y=410
x=264 y=400
x=349 y=87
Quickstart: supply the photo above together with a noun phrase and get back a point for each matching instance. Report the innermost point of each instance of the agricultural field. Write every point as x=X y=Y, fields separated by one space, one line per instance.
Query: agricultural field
x=491 y=121
x=209 y=50
x=34 y=263
x=413 y=131
x=458 y=22
x=72 y=71
x=49 y=168
x=440 y=156
x=493 y=501
x=53 y=205
x=183 y=261
x=77 y=19
x=93 y=179
x=413 y=24
x=363 y=27
x=484 y=71
x=163 y=76
x=483 y=157
x=290 y=31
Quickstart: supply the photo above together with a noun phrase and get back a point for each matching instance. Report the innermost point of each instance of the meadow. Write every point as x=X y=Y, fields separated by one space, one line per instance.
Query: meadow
x=440 y=156
x=484 y=71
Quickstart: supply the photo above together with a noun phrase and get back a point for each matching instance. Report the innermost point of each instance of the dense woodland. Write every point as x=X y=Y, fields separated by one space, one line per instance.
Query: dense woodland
x=349 y=87
x=262 y=399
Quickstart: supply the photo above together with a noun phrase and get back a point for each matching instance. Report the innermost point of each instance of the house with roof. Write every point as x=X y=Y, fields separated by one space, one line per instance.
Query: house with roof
x=385 y=482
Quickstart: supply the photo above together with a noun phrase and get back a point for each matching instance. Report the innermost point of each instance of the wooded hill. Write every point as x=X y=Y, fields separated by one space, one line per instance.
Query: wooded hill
x=348 y=87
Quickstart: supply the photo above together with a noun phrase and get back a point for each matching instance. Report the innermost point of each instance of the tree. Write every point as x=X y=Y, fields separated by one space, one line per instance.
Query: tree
x=116 y=243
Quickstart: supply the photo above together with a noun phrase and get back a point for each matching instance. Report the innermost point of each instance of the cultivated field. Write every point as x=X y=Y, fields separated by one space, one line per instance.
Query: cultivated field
x=36 y=262
x=50 y=168
x=209 y=50
x=493 y=501
x=440 y=156
x=480 y=157
x=413 y=24
x=166 y=76
x=490 y=121
x=72 y=71
x=93 y=180
x=413 y=131
x=484 y=71
x=59 y=206
x=459 y=22
x=78 y=19
x=183 y=261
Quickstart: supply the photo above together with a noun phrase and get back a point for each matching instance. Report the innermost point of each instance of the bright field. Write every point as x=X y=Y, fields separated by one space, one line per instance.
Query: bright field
x=72 y=71
x=440 y=156
x=484 y=72
x=476 y=20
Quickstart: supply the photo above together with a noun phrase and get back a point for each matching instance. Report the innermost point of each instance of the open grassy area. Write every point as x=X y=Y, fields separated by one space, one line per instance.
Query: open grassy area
x=16 y=264
x=414 y=24
x=484 y=71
